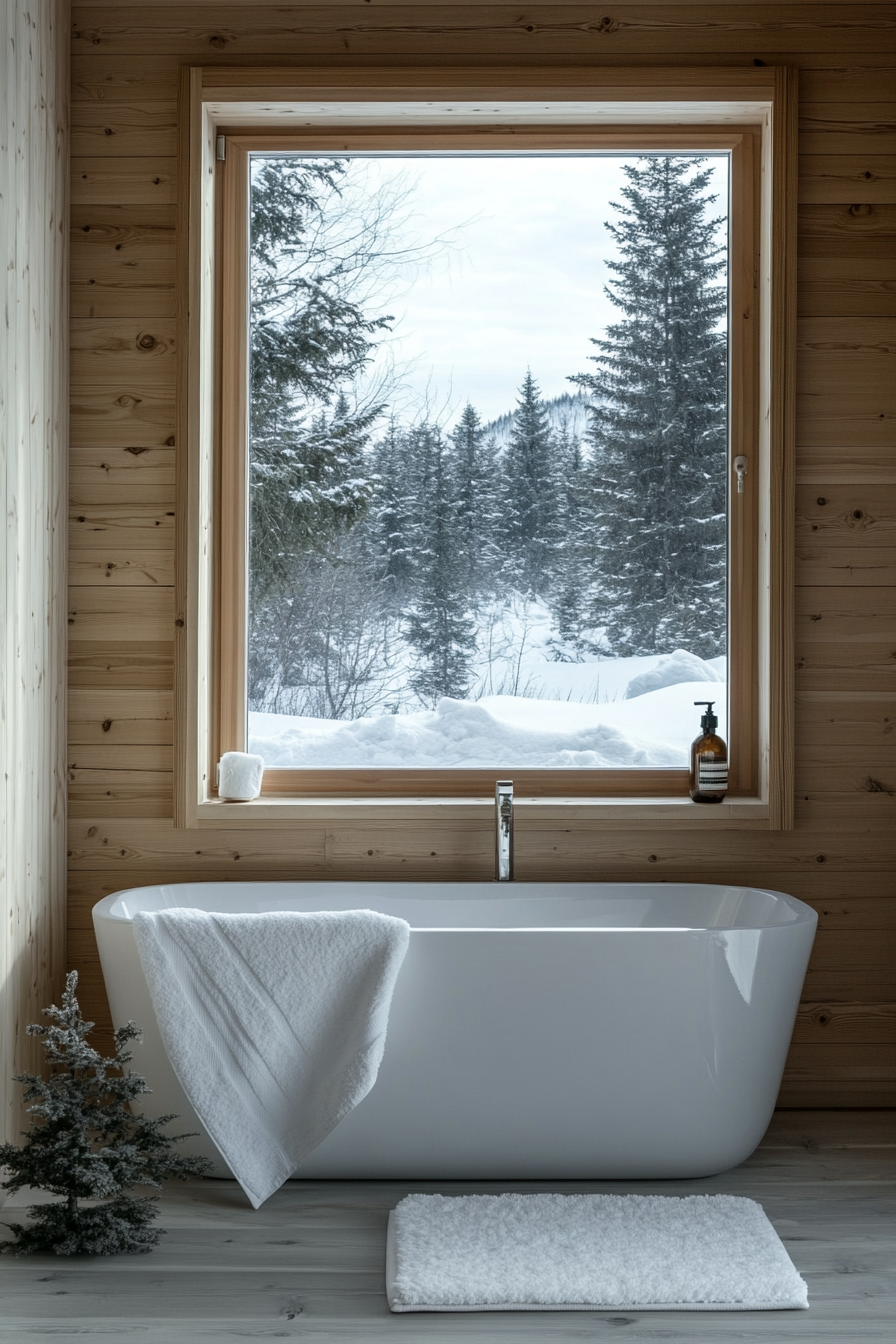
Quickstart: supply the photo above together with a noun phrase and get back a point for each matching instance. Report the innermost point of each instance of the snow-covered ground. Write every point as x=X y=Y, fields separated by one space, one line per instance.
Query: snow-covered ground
x=603 y=712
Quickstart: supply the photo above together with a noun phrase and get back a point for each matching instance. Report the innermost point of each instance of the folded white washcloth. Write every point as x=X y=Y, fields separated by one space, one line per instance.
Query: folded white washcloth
x=275 y=1024
x=239 y=776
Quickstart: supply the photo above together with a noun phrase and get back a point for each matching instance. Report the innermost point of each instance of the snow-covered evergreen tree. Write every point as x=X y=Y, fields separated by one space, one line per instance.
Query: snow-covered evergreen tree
x=530 y=493
x=659 y=434
x=310 y=337
x=477 y=478
x=438 y=626
x=393 y=515
x=571 y=568
x=88 y=1144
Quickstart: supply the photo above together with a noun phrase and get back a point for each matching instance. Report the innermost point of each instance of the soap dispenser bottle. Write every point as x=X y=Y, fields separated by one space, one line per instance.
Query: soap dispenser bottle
x=709 y=760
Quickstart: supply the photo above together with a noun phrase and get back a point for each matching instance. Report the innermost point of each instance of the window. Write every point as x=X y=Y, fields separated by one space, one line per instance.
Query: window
x=402 y=590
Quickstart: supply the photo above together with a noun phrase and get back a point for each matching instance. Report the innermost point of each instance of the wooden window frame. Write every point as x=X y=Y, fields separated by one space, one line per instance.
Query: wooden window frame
x=747 y=113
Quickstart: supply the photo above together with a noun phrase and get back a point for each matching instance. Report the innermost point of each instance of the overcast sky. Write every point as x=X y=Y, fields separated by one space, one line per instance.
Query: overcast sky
x=520 y=284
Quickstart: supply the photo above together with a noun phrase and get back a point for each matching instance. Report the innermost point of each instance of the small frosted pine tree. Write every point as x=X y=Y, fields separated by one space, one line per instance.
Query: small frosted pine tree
x=88 y=1145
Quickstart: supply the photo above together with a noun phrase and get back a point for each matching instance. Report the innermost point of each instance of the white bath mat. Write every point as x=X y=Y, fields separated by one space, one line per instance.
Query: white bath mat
x=587 y=1253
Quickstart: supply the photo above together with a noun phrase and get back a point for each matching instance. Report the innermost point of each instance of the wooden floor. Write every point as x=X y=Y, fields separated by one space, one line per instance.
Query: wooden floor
x=309 y=1264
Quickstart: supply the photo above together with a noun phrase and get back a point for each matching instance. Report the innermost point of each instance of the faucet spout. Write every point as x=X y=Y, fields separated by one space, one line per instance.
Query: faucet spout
x=504 y=830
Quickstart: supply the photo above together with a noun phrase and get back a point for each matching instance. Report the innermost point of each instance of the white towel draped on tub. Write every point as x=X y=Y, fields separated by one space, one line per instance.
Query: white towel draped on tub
x=275 y=1024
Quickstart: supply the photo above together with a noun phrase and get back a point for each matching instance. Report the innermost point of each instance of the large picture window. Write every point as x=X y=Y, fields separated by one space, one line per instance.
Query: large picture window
x=484 y=450
x=486 y=439
x=487 y=458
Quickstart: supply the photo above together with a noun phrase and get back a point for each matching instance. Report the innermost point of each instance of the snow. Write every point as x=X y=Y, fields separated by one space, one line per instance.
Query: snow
x=582 y=718
x=672 y=669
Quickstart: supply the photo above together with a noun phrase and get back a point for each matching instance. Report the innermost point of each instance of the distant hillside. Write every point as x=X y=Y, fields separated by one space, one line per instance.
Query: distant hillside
x=571 y=407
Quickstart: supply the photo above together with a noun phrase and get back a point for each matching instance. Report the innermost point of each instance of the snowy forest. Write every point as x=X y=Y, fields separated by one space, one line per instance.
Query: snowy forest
x=455 y=572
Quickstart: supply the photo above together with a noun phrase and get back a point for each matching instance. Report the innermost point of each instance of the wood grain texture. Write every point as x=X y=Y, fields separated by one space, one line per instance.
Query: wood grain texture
x=310 y=1262
x=33 y=448
x=122 y=261
x=104 y=181
x=121 y=664
x=575 y=31
x=843 y=178
x=841 y=857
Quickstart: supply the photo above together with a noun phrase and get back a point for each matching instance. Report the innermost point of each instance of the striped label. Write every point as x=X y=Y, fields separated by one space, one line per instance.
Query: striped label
x=711 y=773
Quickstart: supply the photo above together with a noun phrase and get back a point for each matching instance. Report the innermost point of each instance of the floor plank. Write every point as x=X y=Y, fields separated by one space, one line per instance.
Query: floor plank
x=309 y=1264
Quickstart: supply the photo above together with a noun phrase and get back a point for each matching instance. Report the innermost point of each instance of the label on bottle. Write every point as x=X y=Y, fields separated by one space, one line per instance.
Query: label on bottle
x=712 y=773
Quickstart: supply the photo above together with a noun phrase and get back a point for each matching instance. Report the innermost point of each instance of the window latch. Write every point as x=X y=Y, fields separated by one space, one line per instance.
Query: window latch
x=740 y=467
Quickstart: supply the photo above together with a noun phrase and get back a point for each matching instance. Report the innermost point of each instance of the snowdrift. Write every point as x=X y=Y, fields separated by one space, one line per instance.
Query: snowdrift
x=650 y=730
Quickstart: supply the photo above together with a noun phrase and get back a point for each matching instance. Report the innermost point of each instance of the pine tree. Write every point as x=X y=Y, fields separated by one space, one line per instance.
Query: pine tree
x=477 y=478
x=87 y=1144
x=391 y=522
x=310 y=337
x=438 y=626
x=659 y=430
x=308 y=484
x=530 y=498
x=571 y=568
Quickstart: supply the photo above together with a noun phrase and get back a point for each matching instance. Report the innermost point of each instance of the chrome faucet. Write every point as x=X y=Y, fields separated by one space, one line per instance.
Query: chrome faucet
x=504 y=830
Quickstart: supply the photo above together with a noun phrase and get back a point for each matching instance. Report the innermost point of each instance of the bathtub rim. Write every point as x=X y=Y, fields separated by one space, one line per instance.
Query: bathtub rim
x=800 y=913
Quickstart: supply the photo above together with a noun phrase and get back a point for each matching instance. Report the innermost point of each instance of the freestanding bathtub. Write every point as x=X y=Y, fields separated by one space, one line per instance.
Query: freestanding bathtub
x=537 y=1030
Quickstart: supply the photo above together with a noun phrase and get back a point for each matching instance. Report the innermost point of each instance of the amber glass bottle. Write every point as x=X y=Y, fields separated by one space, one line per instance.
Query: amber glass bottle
x=709 y=760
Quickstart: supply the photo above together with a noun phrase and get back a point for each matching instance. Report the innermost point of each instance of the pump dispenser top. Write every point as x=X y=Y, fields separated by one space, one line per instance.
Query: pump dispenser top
x=709 y=723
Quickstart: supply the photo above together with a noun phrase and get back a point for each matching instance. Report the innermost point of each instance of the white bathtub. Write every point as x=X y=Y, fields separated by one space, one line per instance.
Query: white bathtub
x=537 y=1030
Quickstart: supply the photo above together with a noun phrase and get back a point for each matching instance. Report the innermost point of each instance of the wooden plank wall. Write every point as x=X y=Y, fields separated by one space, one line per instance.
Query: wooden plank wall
x=34 y=96
x=840 y=857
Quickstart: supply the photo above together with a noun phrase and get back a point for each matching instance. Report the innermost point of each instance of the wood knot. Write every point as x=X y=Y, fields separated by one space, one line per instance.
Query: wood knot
x=860 y=211
x=874 y=786
x=217 y=41
x=107 y=724
x=607 y=25
x=821 y=500
x=136 y=451
x=821 y=858
x=146 y=342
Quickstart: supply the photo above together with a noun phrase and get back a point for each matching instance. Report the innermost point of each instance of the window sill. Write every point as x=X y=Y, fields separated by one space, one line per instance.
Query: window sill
x=620 y=813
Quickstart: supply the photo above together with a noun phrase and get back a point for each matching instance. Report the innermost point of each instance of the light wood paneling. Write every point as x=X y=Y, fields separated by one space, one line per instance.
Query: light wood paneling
x=119 y=716
x=102 y=614
x=576 y=32
x=121 y=664
x=840 y=858
x=827 y=179
x=33 y=447
x=104 y=181
x=847 y=287
x=123 y=261
x=122 y=416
